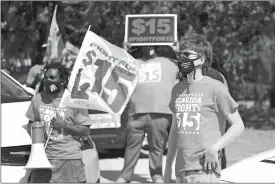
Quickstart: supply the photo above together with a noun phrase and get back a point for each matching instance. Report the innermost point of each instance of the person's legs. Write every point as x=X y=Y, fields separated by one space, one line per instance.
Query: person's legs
x=180 y=178
x=201 y=177
x=40 y=176
x=135 y=134
x=166 y=141
x=157 y=134
x=223 y=159
x=68 y=171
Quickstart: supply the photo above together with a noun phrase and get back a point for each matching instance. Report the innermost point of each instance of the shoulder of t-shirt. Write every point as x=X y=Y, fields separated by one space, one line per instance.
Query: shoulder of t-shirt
x=37 y=96
x=36 y=67
x=215 y=74
x=166 y=59
x=216 y=85
x=213 y=81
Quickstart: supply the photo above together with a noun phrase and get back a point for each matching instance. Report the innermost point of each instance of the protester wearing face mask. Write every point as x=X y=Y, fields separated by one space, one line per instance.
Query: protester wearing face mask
x=148 y=113
x=200 y=106
x=62 y=150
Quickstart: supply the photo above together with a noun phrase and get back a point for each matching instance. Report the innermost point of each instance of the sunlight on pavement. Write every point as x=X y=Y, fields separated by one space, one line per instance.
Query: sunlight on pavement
x=111 y=169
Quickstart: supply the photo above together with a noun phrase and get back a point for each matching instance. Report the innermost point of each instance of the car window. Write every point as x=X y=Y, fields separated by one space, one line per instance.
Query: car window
x=12 y=92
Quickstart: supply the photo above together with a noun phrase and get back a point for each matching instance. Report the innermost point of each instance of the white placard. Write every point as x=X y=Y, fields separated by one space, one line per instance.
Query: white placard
x=150 y=72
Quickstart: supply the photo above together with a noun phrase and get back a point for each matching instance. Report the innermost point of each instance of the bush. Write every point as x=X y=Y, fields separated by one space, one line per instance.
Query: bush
x=258 y=117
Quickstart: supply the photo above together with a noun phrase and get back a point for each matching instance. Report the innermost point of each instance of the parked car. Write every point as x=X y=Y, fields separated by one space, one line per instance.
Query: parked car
x=106 y=134
x=16 y=142
x=259 y=168
x=108 y=137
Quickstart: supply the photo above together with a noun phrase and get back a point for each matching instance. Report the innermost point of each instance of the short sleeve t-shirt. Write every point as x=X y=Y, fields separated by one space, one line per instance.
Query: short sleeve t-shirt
x=61 y=144
x=201 y=109
x=214 y=74
x=157 y=77
x=34 y=71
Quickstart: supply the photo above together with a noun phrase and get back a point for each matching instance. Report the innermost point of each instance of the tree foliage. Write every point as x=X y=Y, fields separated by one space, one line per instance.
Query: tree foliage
x=242 y=32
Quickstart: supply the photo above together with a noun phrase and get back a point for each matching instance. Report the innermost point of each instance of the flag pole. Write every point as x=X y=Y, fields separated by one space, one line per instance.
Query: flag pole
x=48 y=45
x=47 y=52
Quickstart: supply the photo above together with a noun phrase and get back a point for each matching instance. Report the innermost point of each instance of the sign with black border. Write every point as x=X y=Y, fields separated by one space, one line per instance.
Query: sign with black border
x=151 y=29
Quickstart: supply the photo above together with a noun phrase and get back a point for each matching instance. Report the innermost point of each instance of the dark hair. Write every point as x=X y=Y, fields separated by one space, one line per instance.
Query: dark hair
x=63 y=71
x=218 y=64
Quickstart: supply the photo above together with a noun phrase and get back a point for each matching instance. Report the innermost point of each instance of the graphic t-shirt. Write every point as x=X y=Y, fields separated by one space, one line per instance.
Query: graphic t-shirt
x=157 y=77
x=201 y=109
x=61 y=144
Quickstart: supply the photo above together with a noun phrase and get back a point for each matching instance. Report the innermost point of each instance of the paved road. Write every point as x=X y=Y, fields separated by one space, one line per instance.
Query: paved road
x=111 y=167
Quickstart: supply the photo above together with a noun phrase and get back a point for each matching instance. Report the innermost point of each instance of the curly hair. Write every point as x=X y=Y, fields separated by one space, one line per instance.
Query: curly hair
x=198 y=43
x=63 y=71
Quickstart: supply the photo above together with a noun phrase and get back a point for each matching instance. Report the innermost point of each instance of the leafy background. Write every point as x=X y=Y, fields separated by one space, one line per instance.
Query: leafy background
x=241 y=32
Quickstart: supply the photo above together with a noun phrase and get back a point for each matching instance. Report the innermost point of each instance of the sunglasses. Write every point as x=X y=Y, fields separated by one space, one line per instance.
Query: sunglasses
x=186 y=54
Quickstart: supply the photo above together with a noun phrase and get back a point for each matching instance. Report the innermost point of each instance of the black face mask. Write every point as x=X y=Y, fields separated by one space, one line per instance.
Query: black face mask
x=186 y=65
x=52 y=87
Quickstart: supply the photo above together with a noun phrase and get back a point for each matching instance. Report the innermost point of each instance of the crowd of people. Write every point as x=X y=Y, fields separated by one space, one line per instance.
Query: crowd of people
x=180 y=99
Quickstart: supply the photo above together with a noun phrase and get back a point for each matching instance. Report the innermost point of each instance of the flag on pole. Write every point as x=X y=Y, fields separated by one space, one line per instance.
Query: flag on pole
x=103 y=78
x=55 y=44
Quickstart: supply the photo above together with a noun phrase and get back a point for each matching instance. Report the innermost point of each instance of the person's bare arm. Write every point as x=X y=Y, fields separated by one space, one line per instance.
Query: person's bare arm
x=76 y=130
x=236 y=129
x=172 y=150
x=172 y=142
x=29 y=127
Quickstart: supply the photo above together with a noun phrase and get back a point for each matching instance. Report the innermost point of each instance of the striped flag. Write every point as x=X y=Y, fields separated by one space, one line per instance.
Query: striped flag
x=55 y=44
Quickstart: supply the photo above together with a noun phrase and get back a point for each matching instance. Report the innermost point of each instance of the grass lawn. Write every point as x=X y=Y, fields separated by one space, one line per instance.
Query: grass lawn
x=251 y=142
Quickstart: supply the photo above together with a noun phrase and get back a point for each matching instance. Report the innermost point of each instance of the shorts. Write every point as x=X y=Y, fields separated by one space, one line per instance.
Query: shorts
x=64 y=171
x=197 y=176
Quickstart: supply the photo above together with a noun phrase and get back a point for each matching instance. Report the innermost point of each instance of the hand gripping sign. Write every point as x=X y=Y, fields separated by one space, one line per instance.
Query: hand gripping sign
x=103 y=78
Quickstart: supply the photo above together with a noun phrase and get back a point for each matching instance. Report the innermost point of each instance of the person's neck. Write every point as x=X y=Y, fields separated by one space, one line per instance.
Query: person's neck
x=198 y=76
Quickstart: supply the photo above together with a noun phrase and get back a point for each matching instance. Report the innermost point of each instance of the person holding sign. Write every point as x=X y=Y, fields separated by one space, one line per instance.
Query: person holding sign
x=149 y=113
x=200 y=106
x=62 y=150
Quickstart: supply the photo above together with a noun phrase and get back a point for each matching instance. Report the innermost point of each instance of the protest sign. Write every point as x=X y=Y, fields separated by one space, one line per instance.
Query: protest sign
x=103 y=78
x=151 y=29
